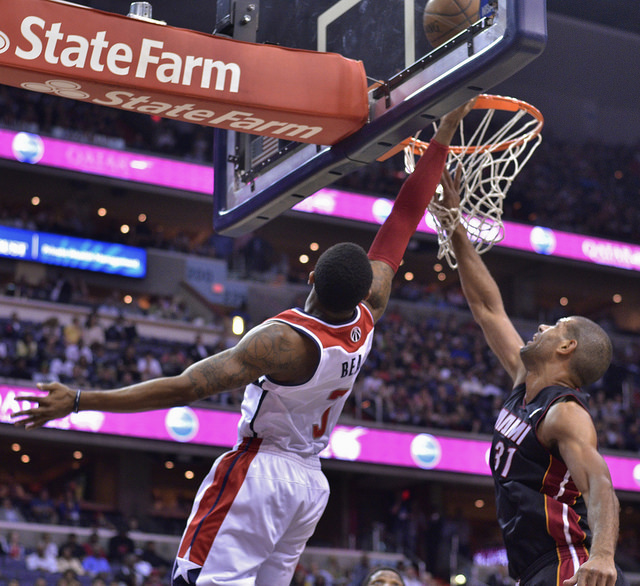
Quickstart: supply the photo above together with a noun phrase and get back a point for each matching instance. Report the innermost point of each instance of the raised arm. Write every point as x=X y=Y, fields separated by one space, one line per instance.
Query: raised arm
x=272 y=348
x=568 y=431
x=391 y=241
x=482 y=293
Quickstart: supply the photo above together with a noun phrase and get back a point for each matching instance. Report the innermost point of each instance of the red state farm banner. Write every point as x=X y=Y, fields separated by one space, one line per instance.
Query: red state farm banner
x=112 y=60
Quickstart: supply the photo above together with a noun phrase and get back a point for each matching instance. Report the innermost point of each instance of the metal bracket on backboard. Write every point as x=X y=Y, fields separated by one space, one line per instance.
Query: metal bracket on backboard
x=238 y=19
x=469 y=64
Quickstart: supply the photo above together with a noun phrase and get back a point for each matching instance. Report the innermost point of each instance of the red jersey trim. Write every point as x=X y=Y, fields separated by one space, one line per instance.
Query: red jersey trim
x=350 y=336
x=217 y=500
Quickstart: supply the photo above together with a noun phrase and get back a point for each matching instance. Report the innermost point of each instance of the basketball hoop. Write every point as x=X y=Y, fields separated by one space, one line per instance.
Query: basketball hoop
x=491 y=157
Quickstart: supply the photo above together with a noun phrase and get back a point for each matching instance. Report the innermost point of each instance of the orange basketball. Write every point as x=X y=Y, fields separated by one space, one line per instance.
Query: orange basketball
x=444 y=19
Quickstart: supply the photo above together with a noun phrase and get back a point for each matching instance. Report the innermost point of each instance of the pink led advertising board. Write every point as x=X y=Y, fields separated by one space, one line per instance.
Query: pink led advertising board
x=354 y=444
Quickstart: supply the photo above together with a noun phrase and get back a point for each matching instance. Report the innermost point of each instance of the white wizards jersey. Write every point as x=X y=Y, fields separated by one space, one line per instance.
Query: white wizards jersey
x=300 y=418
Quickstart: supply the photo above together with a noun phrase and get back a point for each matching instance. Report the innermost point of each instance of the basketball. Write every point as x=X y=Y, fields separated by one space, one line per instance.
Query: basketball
x=443 y=19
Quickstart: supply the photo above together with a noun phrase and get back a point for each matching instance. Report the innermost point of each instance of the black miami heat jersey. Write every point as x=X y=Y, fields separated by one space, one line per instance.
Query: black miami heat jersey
x=540 y=510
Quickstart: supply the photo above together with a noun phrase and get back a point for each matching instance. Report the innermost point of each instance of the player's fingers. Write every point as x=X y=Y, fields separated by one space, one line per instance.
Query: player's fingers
x=21 y=414
x=49 y=386
x=34 y=423
x=30 y=398
x=471 y=103
x=458 y=177
x=26 y=421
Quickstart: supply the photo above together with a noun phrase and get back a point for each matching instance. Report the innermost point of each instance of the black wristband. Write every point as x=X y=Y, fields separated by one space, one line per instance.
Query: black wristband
x=76 y=403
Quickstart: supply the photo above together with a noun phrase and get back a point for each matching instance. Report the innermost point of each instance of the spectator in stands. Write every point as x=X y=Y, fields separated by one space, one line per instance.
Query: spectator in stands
x=62 y=367
x=69 y=512
x=115 y=334
x=360 y=572
x=150 y=555
x=62 y=291
x=120 y=545
x=50 y=546
x=133 y=571
x=72 y=332
x=96 y=564
x=93 y=546
x=69 y=578
x=9 y=512
x=198 y=350
x=27 y=348
x=93 y=332
x=13 y=546
x=76 y=549
x=68 y=561
x=318 y=576
x=44 y=374
x=74 y=352
x=174 y=361
x=39 y=560
x=128 y=365
x=13 y=327
x=43 y=508
x=149 y=366
x=410 y=574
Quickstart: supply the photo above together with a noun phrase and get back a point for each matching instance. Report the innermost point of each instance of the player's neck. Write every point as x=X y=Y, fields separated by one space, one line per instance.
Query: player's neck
x=313 y=307
x=535 y=382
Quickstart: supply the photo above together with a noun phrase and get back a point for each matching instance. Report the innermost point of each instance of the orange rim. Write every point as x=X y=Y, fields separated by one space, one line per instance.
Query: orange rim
x=484 y=102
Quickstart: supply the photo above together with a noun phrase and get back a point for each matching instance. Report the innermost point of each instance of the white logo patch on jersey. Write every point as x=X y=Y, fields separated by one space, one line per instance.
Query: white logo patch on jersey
x=356 y=334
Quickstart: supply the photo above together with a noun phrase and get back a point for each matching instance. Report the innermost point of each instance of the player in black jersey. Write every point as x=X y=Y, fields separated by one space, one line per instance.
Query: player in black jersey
x=555 y=500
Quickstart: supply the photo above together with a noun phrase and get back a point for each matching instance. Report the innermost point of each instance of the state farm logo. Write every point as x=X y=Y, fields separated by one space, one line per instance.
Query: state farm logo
x=4 y=42
x=59 y=87
x=63 y=46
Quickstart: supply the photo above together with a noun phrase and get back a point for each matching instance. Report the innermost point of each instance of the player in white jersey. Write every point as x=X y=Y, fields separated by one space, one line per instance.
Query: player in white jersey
x=260 y=503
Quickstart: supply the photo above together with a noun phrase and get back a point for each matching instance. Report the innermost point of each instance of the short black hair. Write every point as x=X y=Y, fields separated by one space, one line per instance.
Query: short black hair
x=593 y=354
x=342 y=276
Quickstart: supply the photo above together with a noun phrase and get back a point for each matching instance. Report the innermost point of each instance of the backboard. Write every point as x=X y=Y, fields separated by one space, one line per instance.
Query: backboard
x=257 y=178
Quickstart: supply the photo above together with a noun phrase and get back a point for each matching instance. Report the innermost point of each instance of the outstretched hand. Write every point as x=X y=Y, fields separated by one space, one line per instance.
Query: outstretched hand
x=450 y=197
x=455 y=116
x=57 y=403
x=449 y=122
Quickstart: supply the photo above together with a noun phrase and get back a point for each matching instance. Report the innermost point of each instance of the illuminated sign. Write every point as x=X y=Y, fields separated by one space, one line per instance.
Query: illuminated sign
x=76 y=253
x=355 y=444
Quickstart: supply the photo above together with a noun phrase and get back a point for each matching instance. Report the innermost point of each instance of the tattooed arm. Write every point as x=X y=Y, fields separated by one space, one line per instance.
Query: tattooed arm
x=274 y=349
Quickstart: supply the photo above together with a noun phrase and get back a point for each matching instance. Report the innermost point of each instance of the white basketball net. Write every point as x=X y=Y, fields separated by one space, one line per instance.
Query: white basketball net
x=488 y=170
